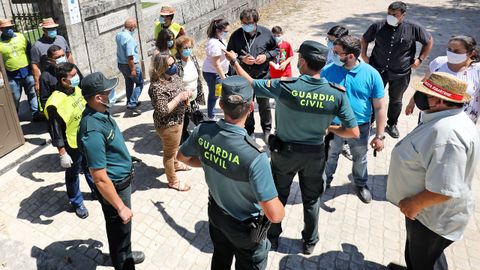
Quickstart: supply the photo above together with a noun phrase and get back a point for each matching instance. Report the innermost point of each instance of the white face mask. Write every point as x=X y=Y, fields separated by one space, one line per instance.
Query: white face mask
x=392 y=20
x=455 y=58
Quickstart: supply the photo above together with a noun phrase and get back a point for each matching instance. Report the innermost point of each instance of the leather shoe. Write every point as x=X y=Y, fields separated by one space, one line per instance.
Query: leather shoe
x=81 y=211
x=274 y=244
x=308 y=248
x=364 y=194
x=392 y=130
x=394 y=266
x=138 y=257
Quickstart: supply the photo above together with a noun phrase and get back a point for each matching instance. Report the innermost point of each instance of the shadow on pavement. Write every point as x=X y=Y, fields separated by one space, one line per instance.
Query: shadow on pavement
x=145 y=139
x=47 y=163
x=349 y=258
x=146 y=177
x=71 y=254
x=200 y=238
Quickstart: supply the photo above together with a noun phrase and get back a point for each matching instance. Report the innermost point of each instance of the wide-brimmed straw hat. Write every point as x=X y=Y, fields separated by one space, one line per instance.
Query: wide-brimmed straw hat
x=48 y=23
x=444 y=86
x=6 y=23
x=167 y=10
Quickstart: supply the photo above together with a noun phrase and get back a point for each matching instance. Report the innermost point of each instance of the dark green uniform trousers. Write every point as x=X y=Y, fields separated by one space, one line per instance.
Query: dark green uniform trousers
x=232 y=237
x=119 y=234
x=310 y=168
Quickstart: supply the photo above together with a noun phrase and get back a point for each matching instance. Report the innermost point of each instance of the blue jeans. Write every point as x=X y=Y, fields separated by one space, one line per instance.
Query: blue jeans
x=27 y=84
x=72 y=179
x=212 y=79
x=358 y=149
x=133 y=85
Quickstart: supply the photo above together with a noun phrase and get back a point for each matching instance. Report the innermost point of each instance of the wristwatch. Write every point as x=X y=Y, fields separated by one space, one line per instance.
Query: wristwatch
x=420 y=59
x=233 y=61
x=380 y=137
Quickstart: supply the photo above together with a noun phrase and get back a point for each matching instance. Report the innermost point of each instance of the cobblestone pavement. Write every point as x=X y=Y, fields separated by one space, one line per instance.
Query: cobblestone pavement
x=39 y=231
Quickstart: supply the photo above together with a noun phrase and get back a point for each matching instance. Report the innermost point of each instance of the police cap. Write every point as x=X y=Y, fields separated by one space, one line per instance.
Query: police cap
x=236 y=89
x=96 y=83
x=313 y=50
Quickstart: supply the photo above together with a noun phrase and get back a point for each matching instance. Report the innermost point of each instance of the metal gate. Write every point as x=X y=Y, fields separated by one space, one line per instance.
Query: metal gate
x=27 y=16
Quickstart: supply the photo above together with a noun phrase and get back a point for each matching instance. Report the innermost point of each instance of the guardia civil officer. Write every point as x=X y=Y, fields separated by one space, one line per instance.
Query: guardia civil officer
x=305 y=108
x=239 y=180
x=110 y=163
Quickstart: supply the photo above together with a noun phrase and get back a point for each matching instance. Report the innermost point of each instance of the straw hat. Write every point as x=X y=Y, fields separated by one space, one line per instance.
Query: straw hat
x=444 y=86
x=6 y=23
x=167 y=10
x=48 y=23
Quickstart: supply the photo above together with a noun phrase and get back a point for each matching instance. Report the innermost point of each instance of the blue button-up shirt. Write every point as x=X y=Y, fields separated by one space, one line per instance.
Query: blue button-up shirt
x=126 y=46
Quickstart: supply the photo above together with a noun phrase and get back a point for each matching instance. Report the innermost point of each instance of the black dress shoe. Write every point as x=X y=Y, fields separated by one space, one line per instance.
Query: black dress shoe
x=138 y=257
x=394 y=266
x=364 y=194
x=308 y=248
x=274 y=244
x=392 y=130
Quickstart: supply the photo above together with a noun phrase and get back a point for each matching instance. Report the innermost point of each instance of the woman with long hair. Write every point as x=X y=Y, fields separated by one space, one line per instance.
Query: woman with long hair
x=165 y=42
x=169 y=99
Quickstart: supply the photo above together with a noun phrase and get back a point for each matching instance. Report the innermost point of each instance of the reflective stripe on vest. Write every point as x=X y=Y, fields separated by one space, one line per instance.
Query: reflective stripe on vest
x=70 y=109
x=14 y=52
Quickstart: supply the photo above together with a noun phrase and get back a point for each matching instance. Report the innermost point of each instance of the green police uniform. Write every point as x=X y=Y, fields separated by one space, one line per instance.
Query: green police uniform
x=305 y=107
x=238 y=177
x=102 y=143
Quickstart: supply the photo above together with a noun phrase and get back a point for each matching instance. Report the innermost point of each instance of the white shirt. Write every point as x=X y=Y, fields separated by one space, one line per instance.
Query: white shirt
x=190 y=77
x=470 y=75
x=214 y=48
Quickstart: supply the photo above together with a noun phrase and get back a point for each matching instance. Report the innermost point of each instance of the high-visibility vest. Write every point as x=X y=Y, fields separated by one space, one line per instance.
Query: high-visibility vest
x=14 y=52
x=174 y=27
x=70 y=109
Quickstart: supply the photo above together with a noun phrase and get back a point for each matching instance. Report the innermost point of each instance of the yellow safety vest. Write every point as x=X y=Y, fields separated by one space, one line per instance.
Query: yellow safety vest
x=14 y=52
x=70 y=109
x=174 y=27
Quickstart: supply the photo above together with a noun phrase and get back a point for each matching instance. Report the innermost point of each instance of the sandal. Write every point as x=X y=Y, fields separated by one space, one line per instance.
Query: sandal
x=179 y=186
x=183 y=167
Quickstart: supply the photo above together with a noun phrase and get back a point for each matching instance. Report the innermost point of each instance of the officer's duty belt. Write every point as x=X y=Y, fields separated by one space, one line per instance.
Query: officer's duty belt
x=123 y=184
x=303 y=148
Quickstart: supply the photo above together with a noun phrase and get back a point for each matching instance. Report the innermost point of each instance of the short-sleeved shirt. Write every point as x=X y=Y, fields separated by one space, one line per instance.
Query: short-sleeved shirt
x=470 y=75
x=214 y=48
x=395 y=47
x=126 y=47
x=363 y=83
x=38 y=54
x=223 y=163
x=439 y=155
x=305 y=107
x=286 y=52
x=101 y=143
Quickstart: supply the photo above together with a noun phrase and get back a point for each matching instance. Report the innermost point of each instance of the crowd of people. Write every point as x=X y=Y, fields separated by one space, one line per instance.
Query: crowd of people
x=334 y=107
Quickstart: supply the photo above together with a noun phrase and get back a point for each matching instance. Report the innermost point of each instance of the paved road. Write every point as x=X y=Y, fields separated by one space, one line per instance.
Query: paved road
x=38 y=230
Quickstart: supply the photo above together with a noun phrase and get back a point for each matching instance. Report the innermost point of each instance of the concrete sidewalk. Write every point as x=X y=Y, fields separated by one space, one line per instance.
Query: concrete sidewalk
x=39 y=231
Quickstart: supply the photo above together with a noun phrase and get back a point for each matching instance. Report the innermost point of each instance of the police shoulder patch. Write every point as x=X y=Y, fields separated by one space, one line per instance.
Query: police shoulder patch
x=337 y=86
x=252 y=143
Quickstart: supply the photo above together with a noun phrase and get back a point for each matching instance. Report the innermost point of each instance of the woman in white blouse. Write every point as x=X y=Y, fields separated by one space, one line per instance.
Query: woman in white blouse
x=216 y=65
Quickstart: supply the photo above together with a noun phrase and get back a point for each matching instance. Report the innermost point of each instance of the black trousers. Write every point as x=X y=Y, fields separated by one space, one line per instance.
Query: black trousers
x=230 y=238
x=311 y=169
x=265 y=111
x=396 y=89
x=424 y=248
x=119 y=234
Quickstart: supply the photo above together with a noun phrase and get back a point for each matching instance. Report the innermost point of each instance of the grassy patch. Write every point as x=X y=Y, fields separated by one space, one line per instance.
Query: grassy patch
x=148 y=4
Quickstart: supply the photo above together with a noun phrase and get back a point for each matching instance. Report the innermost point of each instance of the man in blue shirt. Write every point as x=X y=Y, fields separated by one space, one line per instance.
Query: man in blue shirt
x=364 y=87
x=128 y=64
x=239 y=180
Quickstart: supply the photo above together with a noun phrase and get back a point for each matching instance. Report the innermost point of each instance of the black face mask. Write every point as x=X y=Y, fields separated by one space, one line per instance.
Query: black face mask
x=421 y=100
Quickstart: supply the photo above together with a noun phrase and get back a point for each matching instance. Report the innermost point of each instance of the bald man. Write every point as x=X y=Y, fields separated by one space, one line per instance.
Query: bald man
x=128 y=64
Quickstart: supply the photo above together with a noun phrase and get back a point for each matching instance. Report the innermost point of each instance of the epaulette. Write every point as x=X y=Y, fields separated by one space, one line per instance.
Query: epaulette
x=255 y=145
x=288 y=79
x=337 y=86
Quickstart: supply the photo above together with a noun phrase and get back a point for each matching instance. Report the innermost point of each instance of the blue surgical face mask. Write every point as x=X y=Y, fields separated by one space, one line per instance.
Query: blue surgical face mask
x=337 y=60
x=170 y=43
x=330 y=44
x=187 y=52
x=75 y=81
x=52 y=33
x=62 y=59
x=172 y=70
x=224 y=35
x=248 y=27
x=132 y=32
x=161 y=19
x=9 y=33
x=278 y=39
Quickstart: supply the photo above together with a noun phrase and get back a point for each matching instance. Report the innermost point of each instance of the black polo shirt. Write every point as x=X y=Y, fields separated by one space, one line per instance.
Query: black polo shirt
x=262 y=42
x=395 y=47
